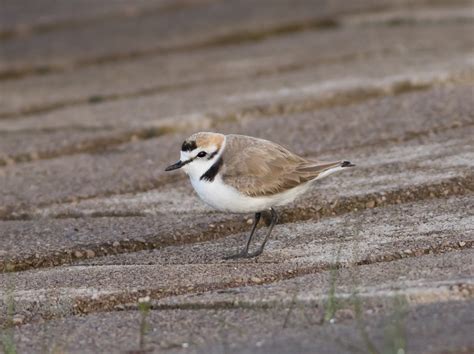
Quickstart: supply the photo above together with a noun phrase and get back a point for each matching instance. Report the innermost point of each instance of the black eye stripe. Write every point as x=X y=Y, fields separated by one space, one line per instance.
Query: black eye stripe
x=212 y=155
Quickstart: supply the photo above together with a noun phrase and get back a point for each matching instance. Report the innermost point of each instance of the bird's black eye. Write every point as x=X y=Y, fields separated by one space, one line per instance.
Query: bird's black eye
x=202 y=154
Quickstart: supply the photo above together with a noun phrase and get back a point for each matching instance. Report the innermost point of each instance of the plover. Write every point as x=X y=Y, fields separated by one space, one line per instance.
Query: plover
x=243 y=174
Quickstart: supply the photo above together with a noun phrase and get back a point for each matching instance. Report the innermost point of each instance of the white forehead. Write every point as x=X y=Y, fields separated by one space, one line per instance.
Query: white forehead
x=186 y=155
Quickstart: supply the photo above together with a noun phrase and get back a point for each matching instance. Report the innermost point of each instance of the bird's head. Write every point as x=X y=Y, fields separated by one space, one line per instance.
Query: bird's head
x=198 y=153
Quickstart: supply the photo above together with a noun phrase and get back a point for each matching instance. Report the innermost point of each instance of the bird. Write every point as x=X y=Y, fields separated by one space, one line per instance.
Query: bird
x=243 y=174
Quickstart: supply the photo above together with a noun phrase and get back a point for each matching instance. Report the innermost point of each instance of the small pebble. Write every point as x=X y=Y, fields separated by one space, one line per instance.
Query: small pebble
x=18 y=319
x=256 y=280
x=90 y=254
x=462 y=243
x=370 y=204
x=144 y=299
x=78 y=254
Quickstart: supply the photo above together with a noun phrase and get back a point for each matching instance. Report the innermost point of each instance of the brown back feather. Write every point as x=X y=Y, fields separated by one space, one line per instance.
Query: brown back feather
x=260 y=167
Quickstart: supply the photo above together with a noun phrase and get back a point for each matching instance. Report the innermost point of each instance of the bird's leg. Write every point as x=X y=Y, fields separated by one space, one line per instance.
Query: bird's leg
x=267 y=236
x=254 y=227
x=245 y=252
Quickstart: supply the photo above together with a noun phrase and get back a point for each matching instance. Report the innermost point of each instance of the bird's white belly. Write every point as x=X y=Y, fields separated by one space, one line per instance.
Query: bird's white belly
x=226 y=198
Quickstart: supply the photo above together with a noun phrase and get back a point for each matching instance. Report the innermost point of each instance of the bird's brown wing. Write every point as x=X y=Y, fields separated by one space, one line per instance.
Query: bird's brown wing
x=259 y=167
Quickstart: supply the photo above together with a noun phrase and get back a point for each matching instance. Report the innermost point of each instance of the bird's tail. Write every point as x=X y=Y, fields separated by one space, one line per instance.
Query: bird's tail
x=337 y=166
x=317 y=171
x=347 y=164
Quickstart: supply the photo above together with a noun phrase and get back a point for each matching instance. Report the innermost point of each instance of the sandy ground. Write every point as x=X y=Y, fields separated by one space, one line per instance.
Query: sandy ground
x=95 y=100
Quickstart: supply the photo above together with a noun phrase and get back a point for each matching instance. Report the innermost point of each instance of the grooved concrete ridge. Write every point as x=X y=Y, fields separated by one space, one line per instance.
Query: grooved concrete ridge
x=95 y=100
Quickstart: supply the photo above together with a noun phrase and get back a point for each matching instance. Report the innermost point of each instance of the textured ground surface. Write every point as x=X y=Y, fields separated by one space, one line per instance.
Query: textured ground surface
x=95 y=100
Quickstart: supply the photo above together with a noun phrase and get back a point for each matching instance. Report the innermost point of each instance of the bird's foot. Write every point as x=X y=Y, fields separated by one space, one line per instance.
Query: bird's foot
x=244 y=254
x=241 y=254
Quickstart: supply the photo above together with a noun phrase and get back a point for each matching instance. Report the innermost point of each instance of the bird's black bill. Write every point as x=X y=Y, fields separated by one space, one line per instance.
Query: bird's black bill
x=178 y=164
x=175 y=166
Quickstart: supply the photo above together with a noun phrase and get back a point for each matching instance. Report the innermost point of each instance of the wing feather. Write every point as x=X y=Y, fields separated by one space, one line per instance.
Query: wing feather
x=259 y=167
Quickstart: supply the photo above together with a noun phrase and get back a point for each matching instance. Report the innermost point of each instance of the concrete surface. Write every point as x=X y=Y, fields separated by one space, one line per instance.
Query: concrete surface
x=95 y=100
